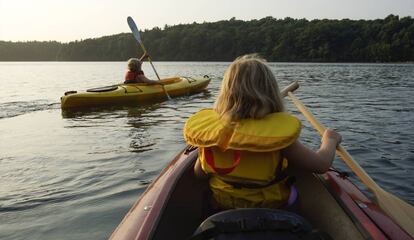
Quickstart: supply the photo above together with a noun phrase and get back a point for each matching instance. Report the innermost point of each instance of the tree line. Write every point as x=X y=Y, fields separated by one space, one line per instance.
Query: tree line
x=381 y=40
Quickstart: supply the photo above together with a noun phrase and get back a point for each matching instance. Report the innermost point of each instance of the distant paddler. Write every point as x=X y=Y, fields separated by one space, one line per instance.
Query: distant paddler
x=137 y=36
x=135 y=73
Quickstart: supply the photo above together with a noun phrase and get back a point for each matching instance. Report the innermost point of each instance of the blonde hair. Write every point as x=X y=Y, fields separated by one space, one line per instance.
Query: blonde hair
x=134 y=64
x=248 y=90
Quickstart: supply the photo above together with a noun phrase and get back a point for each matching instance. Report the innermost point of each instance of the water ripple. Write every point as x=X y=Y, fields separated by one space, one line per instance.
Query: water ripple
x=63 y=170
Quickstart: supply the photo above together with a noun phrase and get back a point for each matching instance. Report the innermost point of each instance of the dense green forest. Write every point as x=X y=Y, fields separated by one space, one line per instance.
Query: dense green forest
x=381 y=40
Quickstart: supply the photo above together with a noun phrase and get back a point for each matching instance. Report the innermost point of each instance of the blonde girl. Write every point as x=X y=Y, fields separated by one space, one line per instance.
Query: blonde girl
x=247 y=140
x=135 y=73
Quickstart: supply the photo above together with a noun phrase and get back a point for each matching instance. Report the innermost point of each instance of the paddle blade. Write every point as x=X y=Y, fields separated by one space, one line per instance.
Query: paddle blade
x=401 y=212
x=134 y=29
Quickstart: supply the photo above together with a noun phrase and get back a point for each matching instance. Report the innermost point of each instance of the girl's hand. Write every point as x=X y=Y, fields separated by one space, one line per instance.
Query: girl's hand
x=331 y=135
x=144 y=56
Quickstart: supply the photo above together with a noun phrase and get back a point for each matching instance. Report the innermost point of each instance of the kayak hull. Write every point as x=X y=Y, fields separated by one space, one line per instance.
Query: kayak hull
x=174 y=205
x=136 y=93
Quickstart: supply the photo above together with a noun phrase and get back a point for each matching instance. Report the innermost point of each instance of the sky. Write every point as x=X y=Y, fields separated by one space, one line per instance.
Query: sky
x=69 y=20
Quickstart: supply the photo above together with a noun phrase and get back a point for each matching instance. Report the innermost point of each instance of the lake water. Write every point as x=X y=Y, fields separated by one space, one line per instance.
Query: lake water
x=74 y=175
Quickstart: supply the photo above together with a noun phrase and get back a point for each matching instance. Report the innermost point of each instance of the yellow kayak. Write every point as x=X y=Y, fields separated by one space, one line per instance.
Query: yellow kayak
x=134 y=93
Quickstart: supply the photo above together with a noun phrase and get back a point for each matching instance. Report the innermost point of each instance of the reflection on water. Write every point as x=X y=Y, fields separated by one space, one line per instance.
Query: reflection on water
x=74 y=174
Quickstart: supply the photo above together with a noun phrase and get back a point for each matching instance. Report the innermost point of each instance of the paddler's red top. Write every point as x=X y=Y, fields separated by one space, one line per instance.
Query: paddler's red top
x=131 y=77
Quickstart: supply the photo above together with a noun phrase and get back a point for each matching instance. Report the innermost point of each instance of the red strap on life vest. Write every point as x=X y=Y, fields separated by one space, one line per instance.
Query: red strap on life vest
x=210 y=161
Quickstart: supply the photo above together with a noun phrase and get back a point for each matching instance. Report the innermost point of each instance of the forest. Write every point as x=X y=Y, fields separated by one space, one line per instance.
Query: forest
x=289 y=40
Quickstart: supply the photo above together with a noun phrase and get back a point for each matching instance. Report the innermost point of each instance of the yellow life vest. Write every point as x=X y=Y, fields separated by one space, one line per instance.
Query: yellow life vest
x=245 y=153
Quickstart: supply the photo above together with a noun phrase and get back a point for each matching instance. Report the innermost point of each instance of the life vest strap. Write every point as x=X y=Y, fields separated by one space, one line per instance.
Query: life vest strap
x=289 y=181
x=208 y=153
x=280 y=175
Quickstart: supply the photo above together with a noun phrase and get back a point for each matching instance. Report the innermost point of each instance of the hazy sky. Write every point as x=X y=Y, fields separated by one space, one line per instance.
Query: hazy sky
x=68 y=20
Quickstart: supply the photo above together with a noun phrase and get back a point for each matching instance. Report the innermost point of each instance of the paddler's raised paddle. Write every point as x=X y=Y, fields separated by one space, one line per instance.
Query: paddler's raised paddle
x=401 y=212
x=137 y=36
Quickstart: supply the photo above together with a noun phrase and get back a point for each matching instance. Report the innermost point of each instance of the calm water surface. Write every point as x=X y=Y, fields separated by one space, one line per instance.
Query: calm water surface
x=74 y=175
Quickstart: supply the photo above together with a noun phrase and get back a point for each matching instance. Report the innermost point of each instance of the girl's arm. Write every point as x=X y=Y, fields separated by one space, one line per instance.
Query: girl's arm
x=320 y=161
x=198 y=171
x=143 y=57
x=142 y=78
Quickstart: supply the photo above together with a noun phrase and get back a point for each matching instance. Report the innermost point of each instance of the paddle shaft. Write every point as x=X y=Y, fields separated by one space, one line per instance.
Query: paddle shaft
x=152 y=65
x=149 y=59
x=367 y=180
x=401 y=212
x=290 y=88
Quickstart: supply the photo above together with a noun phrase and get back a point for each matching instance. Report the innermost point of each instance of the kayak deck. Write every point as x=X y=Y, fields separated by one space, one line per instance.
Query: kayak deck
x=134 y=93
x=176 y=203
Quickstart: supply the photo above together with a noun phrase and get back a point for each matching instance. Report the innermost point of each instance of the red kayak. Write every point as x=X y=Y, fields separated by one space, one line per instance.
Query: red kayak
x=175 y=204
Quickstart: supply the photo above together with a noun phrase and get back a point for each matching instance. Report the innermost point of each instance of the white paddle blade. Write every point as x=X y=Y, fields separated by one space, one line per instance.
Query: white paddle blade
x=134 y=29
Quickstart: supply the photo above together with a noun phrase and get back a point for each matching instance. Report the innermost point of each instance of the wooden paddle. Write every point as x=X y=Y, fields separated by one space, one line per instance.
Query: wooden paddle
x=401 y=212
x=137 y=36
x=289 y=88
